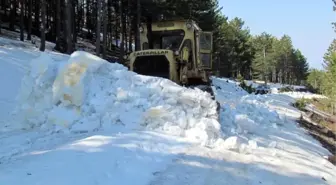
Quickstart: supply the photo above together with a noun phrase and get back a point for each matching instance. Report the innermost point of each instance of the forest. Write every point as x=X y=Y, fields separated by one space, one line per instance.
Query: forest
x=236 y=52
x=324 y=81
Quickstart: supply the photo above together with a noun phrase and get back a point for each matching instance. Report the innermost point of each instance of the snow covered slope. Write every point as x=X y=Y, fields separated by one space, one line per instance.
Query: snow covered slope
x=15 y=58
x=88 y=122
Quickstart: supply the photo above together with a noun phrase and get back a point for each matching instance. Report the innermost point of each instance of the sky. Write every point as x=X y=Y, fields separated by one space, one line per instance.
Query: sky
x=307 y=22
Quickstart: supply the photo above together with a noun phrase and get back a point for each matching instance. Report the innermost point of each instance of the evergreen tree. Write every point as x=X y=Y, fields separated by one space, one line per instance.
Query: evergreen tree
x=329 y=64
x=262 y=63
x=300 y=67
x=235 y=51
x=315 y=80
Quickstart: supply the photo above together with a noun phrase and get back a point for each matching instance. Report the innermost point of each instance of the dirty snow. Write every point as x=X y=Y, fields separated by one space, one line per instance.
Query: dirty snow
x=79 y=119
x=15 y=57
x=86 y=94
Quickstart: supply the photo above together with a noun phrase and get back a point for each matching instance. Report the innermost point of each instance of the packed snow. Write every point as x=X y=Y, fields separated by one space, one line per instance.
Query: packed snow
x=15 y=59
x=274 y=87
x=256 y=83
x=306 y=95
x=86 y=94
x=79 y=119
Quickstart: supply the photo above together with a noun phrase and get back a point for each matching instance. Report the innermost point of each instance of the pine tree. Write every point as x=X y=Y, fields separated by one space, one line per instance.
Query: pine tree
x=43 y=25
x=235 y=50
x=262 y=63
x=30 y=19
x=328 y=57
x=68 y=23
x=22 y=20
x=99 y=5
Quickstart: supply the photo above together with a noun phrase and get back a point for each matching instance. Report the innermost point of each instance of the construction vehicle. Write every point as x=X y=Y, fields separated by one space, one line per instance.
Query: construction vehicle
x=177 y=50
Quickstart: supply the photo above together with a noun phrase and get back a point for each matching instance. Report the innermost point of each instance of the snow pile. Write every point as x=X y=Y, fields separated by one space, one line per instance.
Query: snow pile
x=259 y=145
x=275 y=86
x=248 y=116
x=86 y=93
x=250 y=121
x=241 y=116
x=274 y=90
x=262 y=130
x=252 y=83
x=256 y=83
x=307 y=95
x=14 y=63
x=229 y=88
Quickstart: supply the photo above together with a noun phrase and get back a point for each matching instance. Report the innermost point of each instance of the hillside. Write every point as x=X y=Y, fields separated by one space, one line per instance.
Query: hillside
x=79 y=119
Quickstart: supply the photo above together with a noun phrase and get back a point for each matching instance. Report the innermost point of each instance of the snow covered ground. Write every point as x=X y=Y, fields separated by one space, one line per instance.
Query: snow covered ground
x=307 y=95
x=272 y=85
x=80 y=120
x=276 y=86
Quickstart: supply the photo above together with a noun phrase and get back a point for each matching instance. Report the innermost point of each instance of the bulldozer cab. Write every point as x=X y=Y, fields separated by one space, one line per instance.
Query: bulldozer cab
x=170 y=40
x=178 y=50
x=205 y=49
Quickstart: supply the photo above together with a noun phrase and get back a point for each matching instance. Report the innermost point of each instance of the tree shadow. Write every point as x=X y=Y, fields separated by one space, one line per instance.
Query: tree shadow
x=143 y=158
x=200 y=170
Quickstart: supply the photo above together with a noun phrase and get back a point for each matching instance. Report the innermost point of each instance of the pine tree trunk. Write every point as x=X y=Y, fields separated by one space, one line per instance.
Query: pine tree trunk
x=74 y=30
x=68 y=25
x=125 y=32
x=80 y=18
x=134 y=32
x=0 y=22
x=149 y=31
x=88 y=16
x=109 y=20
x=5 y=7
x=273 y=75
x=12 y=15
x=98 y=28
x=125 y=36
x=130 y=37
x=37 y=14
x=58 y=19
x=47 y=15
x=43 y=25
x=104 y=28
x=116 y=31
x=137 y=41
x=121 y=8
x=286 y=70
x=129 y=25
x=30 y=19
x=21 y=20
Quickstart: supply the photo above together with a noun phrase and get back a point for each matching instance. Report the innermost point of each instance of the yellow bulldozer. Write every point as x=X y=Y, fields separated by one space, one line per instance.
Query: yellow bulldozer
x=177 y=50
x=180 y=51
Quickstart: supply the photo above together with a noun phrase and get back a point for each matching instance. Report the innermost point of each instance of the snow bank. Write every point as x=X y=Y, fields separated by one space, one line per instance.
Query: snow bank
x=262 y=129
x=250 y=121
x=86 y=94
x=307 y=95
x=229 y=88
x=255 y=84
x=15 y=57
